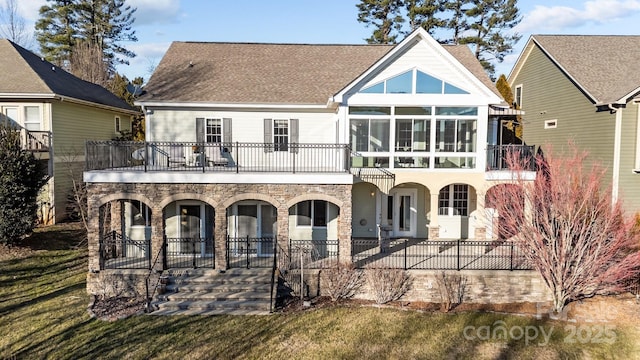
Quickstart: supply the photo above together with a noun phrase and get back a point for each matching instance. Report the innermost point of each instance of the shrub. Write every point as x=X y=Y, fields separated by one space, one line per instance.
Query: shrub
x=341 y=281
x=387 y=284
x=452 y=288
x=21 y=177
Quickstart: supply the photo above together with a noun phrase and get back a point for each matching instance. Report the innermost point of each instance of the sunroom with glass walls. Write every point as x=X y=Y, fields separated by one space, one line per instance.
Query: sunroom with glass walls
x=427 y=137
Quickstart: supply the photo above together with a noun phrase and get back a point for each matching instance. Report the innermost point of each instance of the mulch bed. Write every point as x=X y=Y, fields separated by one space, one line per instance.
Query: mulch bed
x=112 y=309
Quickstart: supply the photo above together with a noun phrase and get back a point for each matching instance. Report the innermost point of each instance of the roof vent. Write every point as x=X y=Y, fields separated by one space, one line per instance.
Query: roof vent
x=53 y=68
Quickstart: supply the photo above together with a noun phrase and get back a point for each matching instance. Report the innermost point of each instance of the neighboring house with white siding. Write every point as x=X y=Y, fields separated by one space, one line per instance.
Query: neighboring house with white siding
x=56 y=112
x=585 y=89
x=249 y=146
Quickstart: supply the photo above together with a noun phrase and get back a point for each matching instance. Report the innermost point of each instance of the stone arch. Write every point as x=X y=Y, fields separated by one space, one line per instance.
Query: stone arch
x=315 y=196
x=123 y=196
x=188 y=196
x=251 y=196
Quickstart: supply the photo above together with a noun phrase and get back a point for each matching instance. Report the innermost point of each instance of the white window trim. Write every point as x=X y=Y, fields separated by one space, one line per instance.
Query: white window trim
x=637 y=162
x=551 y=124
x=117 y=124
x=450 y=207
x=274 y=135
x=206 y=127
x=515 y=92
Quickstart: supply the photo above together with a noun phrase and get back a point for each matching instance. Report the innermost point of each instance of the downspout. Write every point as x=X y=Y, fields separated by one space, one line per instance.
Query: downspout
x=617 y=138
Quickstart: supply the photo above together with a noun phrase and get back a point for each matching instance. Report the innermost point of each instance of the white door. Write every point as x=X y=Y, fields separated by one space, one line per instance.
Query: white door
x=402 y=211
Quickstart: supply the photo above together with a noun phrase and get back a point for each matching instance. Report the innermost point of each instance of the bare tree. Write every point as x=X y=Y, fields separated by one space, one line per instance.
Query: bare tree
x=569 y=227
x=13 y=25
x=88 y=64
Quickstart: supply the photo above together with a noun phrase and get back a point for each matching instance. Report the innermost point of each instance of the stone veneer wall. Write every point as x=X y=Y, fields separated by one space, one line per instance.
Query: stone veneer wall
x=482 y=286
x=220 y=197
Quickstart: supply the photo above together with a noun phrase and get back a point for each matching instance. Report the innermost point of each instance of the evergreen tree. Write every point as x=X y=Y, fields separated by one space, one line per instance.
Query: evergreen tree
x=457 y=21
x=385 y=16
x=21 y=177
x=505 y=90
x=103 y=23
x=56 y=32
x=491 y=21
x=424 y=13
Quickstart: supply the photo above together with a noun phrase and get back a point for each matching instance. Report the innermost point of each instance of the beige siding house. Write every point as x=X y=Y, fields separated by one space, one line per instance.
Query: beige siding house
x=340 y=152
x=56 y=113
x=584 y=89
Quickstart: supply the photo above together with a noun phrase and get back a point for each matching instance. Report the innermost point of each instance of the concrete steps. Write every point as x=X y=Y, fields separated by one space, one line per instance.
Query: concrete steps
x=211 y=292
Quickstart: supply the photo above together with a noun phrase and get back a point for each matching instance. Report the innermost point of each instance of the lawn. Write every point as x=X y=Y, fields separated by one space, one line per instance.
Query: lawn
x=43 y=314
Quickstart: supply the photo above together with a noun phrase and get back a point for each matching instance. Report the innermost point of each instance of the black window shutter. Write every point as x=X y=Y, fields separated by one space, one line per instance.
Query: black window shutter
x=293 y=137
x=268 y=135
x=200 y=130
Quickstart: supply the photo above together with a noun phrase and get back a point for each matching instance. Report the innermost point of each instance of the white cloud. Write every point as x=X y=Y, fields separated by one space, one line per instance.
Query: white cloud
x=155 y=11
x=562 y=17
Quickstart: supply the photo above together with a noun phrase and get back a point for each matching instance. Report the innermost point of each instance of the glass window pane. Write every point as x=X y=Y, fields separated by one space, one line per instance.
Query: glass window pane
x=456 y=110
x=421 y=131
x=443 y=201
x=281 y=135
x=32 y=118
x=369 y=162
x=214 y=131
x=374 y=89
x=455 y=162
x=319 y=213
x=411 y=162
x=304 y=213
x=466 y=136
x=445 y=135
x=450 y=89
x=413 y=110
x=379 y=138
x=369 y=110
x=427 y=84
x=400 y=84
x=359 y=134
x=403 y=134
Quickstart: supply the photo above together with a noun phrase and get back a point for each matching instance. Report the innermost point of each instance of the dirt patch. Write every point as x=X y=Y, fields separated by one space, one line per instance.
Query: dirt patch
x=64 y=236
x=111 y=309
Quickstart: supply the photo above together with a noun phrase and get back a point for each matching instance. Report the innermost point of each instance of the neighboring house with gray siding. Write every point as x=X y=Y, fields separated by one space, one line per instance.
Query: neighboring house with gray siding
x=585 y=89
x=56 y=113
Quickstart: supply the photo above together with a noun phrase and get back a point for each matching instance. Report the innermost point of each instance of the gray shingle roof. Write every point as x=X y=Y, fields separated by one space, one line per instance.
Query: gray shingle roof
x=603 y=65
x=268 y=73
x=24 y=72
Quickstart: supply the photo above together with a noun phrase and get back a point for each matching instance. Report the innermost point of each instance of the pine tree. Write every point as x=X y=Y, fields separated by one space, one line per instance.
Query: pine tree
x=424 y=13
x=505 y=90
x=491 y=21
x=102 y=23
x=55 y=30
x=457 y=21
x=385 y=16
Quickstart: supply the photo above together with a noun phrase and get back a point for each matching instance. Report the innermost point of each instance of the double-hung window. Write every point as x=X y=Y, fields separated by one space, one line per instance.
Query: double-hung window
x=213 y=131
x=281 y=134
x=32 y=118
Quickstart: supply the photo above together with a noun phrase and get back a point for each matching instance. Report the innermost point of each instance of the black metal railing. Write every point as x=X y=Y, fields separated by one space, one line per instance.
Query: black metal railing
x=120 y=252
x=250 y=252
x=313 y=254
x=439 y=255
x=217 y=157
x=499 y=157
x=193 y=253
x=147 y=280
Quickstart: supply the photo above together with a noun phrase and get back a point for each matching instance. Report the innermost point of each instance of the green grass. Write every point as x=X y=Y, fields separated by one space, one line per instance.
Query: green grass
x=43 y=314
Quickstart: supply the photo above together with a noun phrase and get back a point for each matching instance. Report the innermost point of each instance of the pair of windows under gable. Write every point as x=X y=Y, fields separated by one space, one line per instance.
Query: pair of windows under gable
x=407 y=83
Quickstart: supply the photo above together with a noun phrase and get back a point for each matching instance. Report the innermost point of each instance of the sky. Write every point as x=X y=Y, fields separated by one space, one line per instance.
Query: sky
x=159 y=22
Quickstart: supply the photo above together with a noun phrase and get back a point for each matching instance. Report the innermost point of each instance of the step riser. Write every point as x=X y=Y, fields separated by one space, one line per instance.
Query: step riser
x=206 y=291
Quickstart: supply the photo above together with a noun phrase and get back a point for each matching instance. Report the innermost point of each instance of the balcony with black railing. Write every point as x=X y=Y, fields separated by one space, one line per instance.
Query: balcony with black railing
x=217 y=157
x=502 y=157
